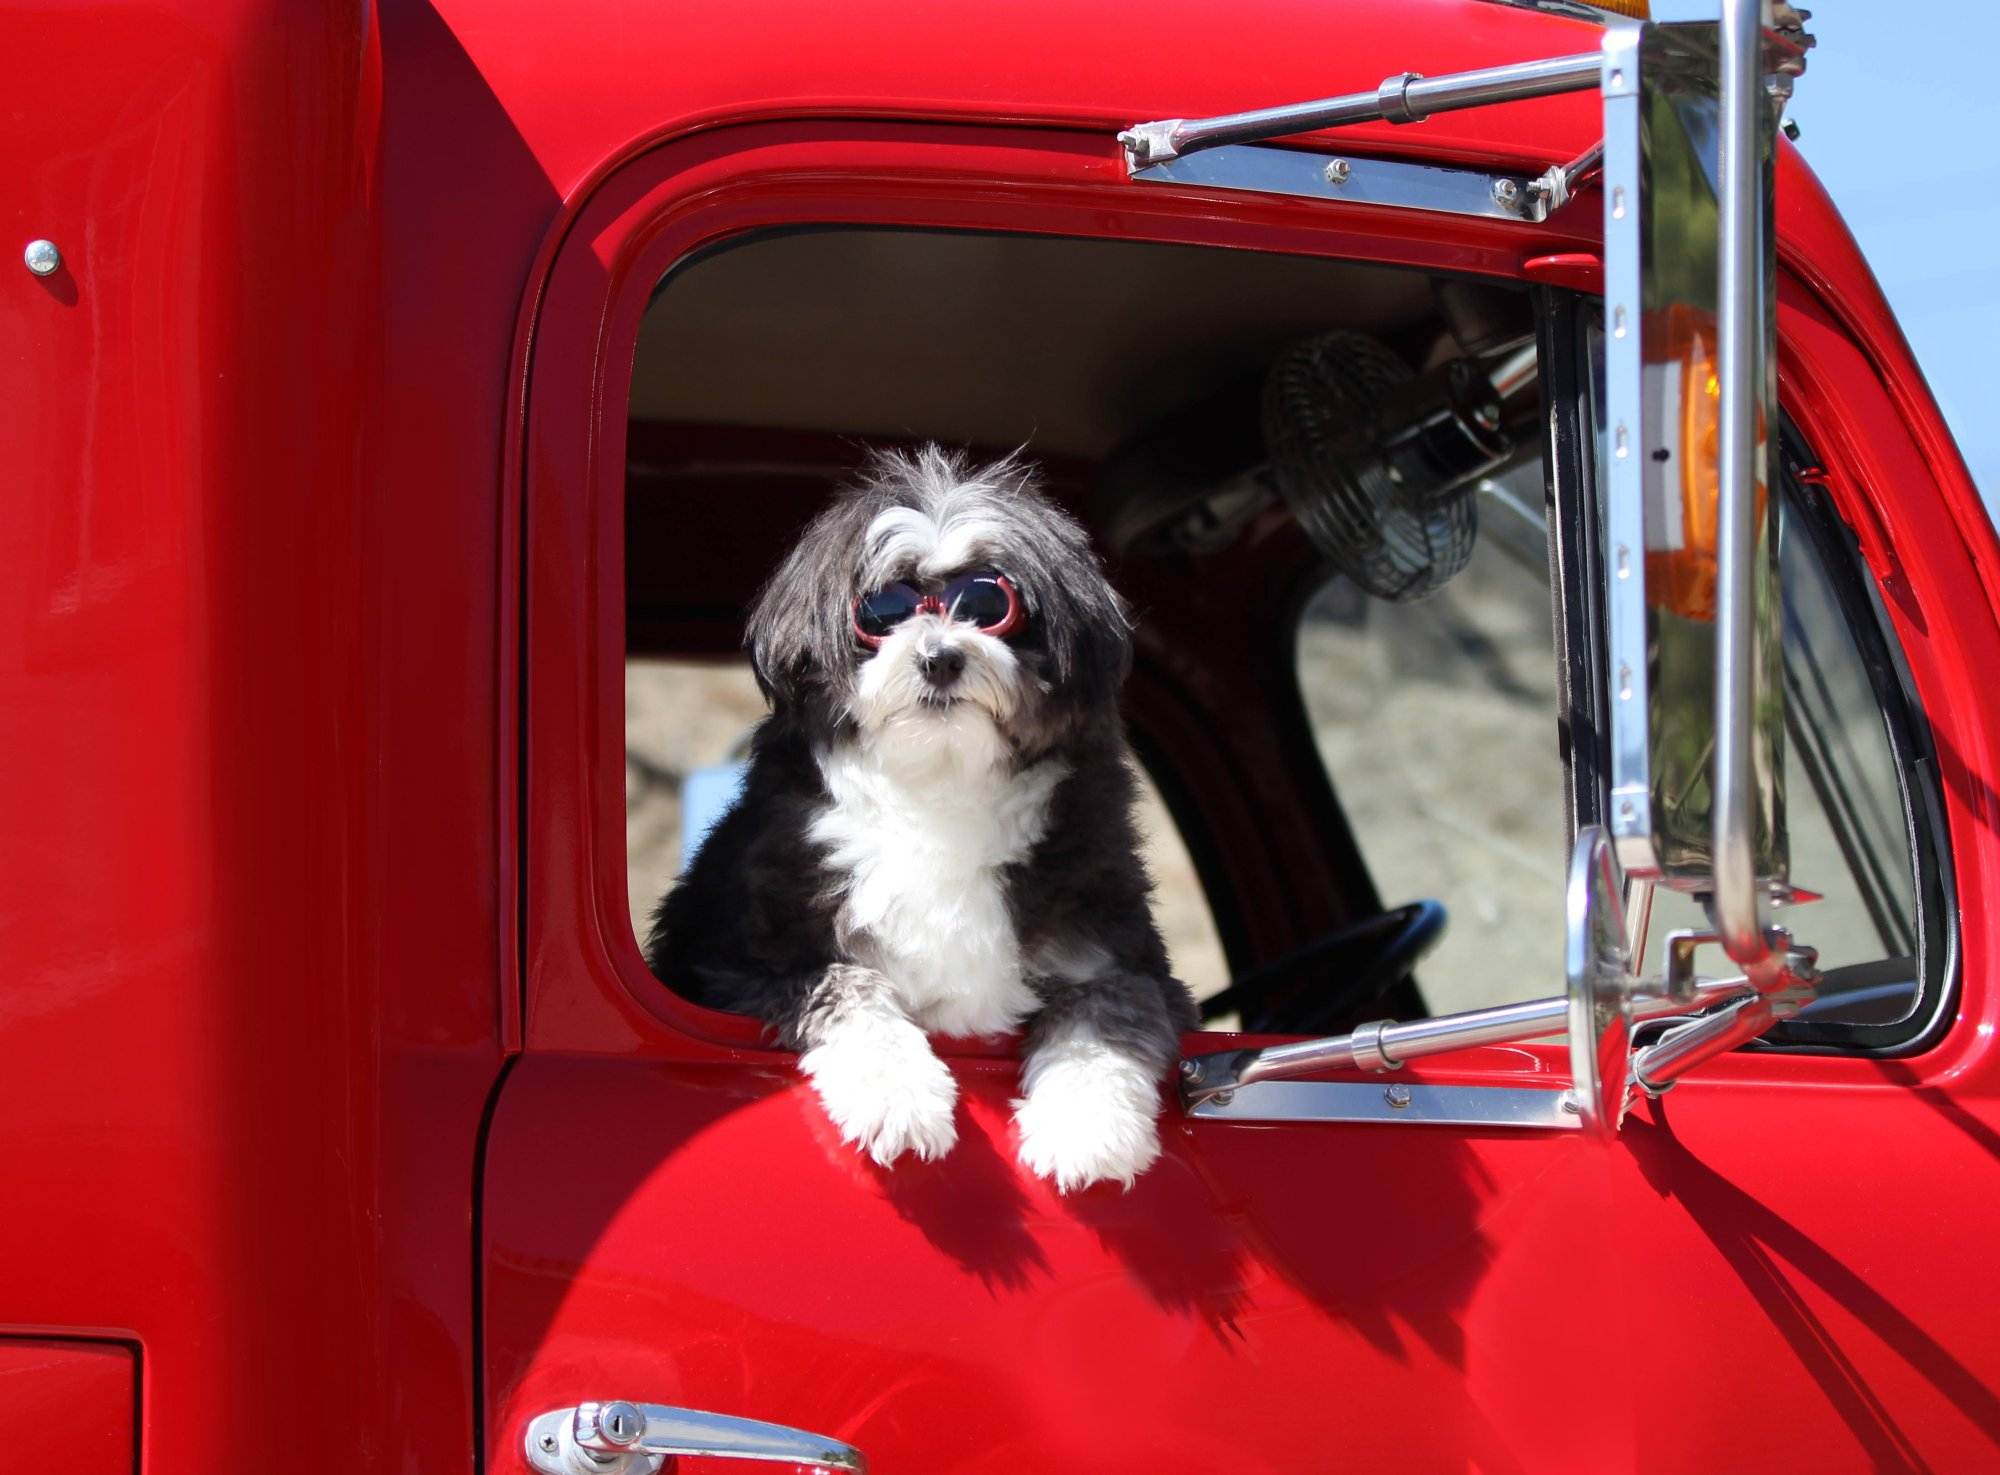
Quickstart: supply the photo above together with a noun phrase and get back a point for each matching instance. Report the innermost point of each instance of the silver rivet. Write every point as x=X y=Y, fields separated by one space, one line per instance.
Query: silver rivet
x=42 y=258
x=1397 y=1095
x=1571 y=1104
x=1222 y=1098
x=1506 y=194
x=1337 y=171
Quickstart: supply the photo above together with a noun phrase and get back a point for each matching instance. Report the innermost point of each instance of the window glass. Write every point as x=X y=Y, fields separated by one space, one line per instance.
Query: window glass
x=1850 y=839
x=1436 y=720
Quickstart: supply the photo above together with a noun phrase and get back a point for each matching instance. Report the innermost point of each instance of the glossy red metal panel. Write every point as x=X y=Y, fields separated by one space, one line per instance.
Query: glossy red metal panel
x=736 y=1253
x=79 y=1397
x=587 y=91
x=249 y=891
x=1261 y=1301
x=257 y=683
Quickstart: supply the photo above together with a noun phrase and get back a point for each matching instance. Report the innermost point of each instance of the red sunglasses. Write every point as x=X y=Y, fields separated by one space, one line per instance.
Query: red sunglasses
x=986 y=599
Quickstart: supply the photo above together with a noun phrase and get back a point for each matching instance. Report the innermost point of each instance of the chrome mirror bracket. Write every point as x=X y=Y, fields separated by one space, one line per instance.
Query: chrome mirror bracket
x=1602 y=986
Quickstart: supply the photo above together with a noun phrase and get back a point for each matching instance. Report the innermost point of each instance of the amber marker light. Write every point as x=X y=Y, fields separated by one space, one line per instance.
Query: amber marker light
x=1681 y=578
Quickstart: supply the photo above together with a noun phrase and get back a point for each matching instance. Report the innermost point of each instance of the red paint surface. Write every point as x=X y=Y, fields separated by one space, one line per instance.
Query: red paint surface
x=75 y=1400
x=270 y=457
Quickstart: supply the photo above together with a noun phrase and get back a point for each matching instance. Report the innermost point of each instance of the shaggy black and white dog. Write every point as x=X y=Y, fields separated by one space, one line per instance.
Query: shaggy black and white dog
x=936 y=834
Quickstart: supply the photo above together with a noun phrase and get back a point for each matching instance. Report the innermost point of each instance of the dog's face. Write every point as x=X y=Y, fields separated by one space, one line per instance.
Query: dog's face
x=941 y=600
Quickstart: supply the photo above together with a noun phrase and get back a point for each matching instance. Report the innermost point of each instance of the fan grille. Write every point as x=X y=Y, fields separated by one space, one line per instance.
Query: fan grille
x=1398 y=538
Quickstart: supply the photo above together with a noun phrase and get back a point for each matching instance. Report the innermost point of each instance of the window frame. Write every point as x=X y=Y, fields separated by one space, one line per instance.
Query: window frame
x=584 y=981
x=1838 y=550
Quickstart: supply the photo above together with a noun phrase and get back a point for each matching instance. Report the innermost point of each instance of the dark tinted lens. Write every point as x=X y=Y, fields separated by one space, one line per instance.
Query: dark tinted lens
x=886 y=608
x=978 y=598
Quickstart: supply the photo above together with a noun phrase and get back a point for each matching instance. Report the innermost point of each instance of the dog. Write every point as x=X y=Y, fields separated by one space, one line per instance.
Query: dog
x=935 y=833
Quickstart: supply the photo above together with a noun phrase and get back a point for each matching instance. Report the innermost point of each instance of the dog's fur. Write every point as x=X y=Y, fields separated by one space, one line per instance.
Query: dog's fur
x=909 y=858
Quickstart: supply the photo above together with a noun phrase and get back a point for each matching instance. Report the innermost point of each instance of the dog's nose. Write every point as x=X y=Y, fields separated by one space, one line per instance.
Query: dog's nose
x=942 y=666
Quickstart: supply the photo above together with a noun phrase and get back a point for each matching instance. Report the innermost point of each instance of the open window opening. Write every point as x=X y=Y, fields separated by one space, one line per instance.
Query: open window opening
x=1320 y=485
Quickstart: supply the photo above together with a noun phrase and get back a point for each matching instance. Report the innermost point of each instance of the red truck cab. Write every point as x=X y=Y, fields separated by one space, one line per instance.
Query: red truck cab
x=405 y=370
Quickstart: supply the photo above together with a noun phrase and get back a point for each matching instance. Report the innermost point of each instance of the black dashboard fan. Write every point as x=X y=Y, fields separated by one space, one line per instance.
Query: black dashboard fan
x=1380 y=465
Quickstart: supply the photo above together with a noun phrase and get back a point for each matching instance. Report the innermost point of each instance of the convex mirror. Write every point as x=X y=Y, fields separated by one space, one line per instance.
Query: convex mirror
x=1662 y=460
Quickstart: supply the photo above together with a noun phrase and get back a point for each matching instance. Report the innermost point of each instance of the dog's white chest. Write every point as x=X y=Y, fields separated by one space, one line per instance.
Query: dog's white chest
x=921 y=848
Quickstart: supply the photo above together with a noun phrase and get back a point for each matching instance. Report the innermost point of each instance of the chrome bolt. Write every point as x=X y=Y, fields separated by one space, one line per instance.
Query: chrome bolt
x=1337 y=171
x=1223 y=1098
x=1397 y=1095
x=620 y=1423
x=1190 y=1071
x=1506 y=194
x=42 y=258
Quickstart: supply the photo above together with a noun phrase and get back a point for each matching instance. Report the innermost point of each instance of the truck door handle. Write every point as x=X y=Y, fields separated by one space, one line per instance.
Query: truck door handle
x=615 y=1437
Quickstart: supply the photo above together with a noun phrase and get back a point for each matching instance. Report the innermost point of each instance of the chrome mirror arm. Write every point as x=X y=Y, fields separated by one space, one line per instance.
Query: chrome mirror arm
x=1407 y=97
x=1682 y=1048
x=1742 y=360
x=1554 y=186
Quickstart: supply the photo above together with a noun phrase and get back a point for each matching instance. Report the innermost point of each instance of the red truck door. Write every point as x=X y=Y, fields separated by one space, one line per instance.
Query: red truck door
x=1773 y=1267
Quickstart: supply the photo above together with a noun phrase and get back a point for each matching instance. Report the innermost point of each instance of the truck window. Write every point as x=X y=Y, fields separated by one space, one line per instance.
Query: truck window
x=1864 y=821
x=1436 y=720
x=1869 y=856
x=687 y=726
x=1131 y=372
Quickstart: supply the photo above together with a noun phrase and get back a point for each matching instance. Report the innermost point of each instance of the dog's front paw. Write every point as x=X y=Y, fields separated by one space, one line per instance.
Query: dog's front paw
x=1088 y=1116
x=885 y=1089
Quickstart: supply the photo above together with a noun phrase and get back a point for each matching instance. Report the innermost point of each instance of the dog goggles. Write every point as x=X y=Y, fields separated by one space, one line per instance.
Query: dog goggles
x=985 y=599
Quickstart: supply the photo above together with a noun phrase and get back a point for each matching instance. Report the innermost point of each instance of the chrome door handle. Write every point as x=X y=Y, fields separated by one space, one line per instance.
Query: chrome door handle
x=615 y=1437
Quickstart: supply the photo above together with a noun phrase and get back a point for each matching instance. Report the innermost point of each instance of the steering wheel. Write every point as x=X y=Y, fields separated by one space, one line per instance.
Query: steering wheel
x=1310 y=990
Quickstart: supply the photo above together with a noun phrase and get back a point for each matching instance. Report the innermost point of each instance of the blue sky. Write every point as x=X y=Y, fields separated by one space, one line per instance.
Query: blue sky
x=1900 y=119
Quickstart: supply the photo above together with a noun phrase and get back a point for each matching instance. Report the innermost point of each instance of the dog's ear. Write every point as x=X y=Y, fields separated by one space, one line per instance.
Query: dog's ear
x=1086 y=625
x=799 y=635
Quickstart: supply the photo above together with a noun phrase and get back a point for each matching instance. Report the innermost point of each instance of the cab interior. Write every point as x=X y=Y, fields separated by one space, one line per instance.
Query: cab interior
x=1364 y=777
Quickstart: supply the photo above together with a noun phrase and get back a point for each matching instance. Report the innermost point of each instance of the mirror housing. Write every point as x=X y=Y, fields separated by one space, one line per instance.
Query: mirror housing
x=1694 y=685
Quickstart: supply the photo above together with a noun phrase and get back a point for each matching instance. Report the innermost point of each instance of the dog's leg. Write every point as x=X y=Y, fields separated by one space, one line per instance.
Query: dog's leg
x=875 y=1072
x=1090 y=1080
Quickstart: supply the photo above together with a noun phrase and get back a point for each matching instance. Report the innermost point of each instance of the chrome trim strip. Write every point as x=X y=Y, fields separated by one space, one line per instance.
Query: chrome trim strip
x=1629 y=815
x=1539 y=1108
x=1273 y=171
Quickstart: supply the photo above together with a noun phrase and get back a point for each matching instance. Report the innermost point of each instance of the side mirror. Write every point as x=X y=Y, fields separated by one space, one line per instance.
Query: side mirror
x=1692 y=612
